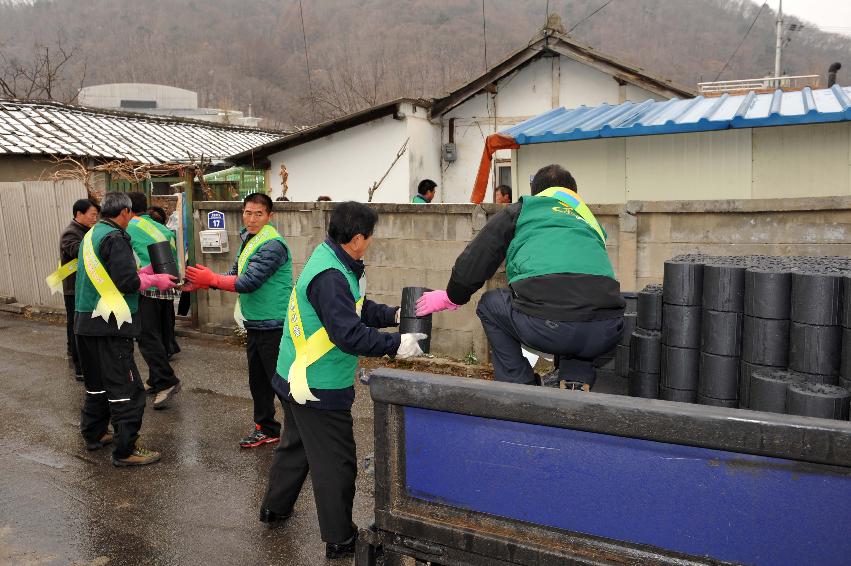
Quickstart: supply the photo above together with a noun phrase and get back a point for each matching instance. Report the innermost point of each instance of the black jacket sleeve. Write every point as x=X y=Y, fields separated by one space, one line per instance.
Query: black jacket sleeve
x=377 y=315
x=262 y=265
x=333 y=302
x=117 y=255
x=483 y=256
x=69 y=245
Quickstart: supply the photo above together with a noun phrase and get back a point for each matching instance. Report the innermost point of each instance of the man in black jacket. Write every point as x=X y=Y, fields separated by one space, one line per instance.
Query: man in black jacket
x=107 y=321
x=562 y=298
x=85 y=214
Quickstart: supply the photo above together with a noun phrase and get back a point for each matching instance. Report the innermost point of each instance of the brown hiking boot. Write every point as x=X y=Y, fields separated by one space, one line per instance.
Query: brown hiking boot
x=139 y=457
x=100 y=442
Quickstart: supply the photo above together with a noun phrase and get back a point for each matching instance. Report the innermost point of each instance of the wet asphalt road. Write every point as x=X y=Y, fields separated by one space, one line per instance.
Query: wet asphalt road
x=60 y=504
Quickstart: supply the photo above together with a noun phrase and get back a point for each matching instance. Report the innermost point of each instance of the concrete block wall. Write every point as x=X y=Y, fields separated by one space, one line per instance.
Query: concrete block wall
x=416 y=245
x=791 y=227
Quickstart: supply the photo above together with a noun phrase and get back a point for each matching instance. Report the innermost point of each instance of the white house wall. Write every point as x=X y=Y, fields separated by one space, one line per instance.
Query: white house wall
x=772 y=162
x=798 y=161
x=521 y=95
x=423 y=156
x=597 y=165
x=345 y=164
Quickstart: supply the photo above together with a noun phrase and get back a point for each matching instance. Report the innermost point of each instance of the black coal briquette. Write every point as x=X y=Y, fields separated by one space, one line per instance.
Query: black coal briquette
x=721 y=333
x=818 y=400
x=683 y=283
x=724 y=287
x=768 y=293
x=817 y=298
x=765 y=341
x=681 y=327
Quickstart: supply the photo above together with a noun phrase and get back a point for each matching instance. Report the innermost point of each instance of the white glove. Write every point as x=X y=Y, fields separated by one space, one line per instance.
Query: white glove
x=398 y=315
x=410 y=347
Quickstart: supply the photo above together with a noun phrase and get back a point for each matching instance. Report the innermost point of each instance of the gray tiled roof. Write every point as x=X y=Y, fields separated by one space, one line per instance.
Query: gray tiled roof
x=51 y=128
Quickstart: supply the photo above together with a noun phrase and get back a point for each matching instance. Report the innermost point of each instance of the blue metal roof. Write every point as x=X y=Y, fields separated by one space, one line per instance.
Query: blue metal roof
x=676 y=115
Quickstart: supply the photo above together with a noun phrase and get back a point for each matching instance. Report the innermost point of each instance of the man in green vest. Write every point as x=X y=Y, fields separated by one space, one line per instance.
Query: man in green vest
x=153 y=304
x=263 y=276
x=329 y=324
x=106 y=322
x=563 y=298
x=85 y=214
x=425 y=192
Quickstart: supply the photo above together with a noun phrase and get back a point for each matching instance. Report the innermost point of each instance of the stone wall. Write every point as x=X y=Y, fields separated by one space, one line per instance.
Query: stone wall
x=418 y=244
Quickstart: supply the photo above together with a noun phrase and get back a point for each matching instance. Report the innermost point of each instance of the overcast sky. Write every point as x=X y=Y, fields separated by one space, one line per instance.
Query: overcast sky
x=829 y=15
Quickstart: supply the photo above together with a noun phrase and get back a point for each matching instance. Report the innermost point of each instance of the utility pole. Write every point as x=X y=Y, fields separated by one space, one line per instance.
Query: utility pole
x=778 y=47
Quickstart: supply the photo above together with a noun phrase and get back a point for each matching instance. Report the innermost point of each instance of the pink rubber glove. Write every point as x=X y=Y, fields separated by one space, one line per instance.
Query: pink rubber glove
x=161 y=281
x=434 y=301
x=149 y=269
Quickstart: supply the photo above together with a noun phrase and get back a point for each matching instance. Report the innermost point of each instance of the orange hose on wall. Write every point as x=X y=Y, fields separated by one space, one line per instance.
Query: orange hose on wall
x=493 y=143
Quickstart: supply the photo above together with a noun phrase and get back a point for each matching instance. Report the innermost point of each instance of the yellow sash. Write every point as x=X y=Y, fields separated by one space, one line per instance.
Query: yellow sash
x=111 y=300
x=307 y=350
x=265 y=234
x=54 y=280
x=572 y=200
x=148 y=228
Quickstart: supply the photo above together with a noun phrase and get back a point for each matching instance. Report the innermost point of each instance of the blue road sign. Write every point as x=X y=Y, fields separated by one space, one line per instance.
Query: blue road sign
x=216 y=220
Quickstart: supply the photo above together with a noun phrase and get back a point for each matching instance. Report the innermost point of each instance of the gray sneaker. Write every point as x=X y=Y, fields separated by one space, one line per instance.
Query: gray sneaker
x=163 y=397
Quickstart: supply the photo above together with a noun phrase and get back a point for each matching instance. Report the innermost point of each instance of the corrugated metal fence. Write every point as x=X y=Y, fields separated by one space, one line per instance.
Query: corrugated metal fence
x=32 y=215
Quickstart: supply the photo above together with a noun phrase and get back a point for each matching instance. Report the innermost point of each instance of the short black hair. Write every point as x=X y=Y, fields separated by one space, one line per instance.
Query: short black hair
x=114 y=204
x=140 y=202
x=83 y=205
x=259 y=198
x=505 y=190
x=552 y=176
x=282 y=199
x=349 y=219
x=158 y=211
x=425 y=186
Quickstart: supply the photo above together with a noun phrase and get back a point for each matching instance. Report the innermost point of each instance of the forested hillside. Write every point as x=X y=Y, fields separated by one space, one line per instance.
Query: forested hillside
x=241 y=52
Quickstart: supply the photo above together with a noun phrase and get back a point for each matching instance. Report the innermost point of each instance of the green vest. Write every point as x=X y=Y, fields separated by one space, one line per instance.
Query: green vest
x=86 y=296
x=269 y=301
x=336 y=369
x=141 y=239
x=550 y=237
x=418 y=199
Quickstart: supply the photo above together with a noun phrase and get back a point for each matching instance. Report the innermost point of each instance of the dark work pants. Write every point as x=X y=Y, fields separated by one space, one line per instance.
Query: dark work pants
x=262 y=350
x=114 y=391
x=575 y=343
x=160 y=374
x=168 y=320
x=320 y=442
x=69 y=329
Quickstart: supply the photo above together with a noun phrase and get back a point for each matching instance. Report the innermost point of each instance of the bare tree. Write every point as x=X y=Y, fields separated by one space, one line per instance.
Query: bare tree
x=44 y=76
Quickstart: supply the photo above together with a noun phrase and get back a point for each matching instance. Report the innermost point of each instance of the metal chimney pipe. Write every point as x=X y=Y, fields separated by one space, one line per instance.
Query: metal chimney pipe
x=831 y=74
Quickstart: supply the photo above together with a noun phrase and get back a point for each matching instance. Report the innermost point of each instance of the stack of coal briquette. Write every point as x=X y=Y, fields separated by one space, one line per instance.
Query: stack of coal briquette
x=645 y=344
x=758 y=332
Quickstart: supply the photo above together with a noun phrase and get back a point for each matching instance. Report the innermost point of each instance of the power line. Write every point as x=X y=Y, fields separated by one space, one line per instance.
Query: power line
x=307 y=62
x=750 y=27
x=485 y=35
x=589 y=16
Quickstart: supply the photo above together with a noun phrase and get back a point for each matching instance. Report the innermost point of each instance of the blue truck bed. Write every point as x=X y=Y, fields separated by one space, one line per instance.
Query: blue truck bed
x=472 y=472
